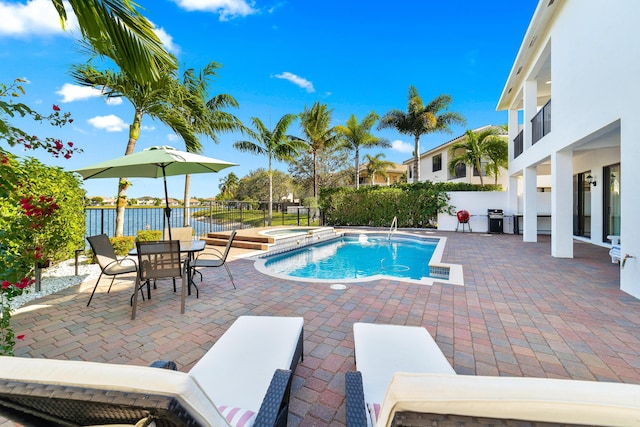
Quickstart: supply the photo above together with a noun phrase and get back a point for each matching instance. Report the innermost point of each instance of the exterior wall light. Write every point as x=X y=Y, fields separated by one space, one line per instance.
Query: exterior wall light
x=591 y=180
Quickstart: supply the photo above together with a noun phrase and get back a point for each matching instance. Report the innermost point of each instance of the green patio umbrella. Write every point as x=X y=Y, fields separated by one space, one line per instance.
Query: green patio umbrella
x=155 y=162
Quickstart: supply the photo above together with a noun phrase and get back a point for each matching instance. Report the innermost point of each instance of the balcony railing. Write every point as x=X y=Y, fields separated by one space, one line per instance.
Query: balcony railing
x=518 y=144
x=541 y=123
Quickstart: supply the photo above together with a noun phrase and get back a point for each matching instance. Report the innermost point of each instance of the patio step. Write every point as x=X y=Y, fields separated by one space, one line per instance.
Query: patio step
x=240 y=241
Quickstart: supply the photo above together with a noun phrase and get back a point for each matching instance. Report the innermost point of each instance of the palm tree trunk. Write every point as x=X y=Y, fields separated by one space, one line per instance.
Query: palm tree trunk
x=270 y=193
x=479 y=167
x=416 y=159
x=315 y=174
x=187 y=199
x=123 y=184
x=357 y=168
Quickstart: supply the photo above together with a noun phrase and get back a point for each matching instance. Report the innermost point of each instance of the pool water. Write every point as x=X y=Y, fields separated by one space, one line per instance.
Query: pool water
x=355 y=257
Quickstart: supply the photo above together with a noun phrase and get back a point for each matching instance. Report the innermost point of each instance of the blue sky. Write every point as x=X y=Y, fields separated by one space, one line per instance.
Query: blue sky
x=277 y=57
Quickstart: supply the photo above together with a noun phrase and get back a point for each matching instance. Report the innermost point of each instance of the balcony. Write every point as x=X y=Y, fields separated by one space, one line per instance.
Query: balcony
x=541 y=123
x=518 y=144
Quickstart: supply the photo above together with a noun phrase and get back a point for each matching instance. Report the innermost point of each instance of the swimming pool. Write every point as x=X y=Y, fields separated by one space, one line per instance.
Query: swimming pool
x=361 y=257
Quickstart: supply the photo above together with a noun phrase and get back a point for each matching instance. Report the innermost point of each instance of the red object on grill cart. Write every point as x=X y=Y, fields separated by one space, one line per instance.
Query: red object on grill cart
x=463 y=217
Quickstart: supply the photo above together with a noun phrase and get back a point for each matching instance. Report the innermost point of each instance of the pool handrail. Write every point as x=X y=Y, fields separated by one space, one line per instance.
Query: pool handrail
x=393 y=228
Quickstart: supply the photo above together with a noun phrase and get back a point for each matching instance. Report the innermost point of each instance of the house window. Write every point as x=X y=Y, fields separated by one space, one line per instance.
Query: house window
x=437 y=163
x=460 y=171
x=483 y=165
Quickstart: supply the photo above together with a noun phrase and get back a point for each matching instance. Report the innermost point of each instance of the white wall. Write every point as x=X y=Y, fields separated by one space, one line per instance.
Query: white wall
x=477 y=203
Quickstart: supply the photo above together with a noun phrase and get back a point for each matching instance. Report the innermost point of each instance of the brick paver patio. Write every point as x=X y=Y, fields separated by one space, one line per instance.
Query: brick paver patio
x=520 y=313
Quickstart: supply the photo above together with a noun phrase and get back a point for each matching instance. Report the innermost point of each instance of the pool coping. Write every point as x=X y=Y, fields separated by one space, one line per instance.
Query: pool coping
x=455 y=271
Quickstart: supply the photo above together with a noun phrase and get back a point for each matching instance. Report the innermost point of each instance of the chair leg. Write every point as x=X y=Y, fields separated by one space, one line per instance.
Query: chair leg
x=135 y=298
x=94 y=289
x=230 y=276
x=112 y=280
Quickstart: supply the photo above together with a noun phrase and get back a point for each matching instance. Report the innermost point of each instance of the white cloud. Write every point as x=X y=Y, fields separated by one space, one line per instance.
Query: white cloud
x=401 y=146
x=172 y=137
x=166 y=39
x=72 y=93
x=109 y=123
x=297 y=80
x=227 y=9
x=113 y=101
x=149 y=128
x=35 y=17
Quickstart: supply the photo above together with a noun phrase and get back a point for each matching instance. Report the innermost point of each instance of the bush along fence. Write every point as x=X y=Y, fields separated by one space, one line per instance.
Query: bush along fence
x=415 y=205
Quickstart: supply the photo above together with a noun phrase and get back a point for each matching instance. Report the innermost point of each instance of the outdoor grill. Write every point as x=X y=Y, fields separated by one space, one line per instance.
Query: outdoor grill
x=496 y=219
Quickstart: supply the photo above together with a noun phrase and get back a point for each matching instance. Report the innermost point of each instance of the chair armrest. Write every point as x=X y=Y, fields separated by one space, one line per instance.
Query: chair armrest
x=356 y=413
x=275 y=405
x=212 y=251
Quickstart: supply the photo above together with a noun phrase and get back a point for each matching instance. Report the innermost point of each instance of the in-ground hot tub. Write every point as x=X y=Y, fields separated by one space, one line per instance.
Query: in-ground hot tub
x=288 y=238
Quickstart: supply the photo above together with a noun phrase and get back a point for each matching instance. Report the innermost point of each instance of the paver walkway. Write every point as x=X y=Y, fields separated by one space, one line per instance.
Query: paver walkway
x=520 y=313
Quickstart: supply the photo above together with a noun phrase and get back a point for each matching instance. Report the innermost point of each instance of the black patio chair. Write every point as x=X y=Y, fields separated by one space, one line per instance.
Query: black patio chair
x=108 y=261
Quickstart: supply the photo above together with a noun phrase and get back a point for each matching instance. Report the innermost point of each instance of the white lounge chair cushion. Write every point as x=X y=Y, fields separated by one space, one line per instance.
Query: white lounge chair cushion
x=124 y=378
x=238 y=369
x=536 y=399
x=382 y=350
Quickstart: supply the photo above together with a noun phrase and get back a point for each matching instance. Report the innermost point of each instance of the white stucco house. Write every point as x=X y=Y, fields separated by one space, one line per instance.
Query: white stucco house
x=434 y=164
x=573 y=103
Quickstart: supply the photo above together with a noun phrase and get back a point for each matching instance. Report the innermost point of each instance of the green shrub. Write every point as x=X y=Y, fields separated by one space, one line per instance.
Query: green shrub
x=415 y=205
x=122 y=245
x=148 y=235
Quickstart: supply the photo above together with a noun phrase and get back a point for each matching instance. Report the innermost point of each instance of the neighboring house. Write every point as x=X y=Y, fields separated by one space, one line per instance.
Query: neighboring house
x=434 y=165
x=581 y=57
x=146 y=201
x=394 y=175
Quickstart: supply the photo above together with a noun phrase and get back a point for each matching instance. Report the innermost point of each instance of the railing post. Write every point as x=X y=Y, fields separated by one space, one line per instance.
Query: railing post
x=102 y=221
x=299 y=217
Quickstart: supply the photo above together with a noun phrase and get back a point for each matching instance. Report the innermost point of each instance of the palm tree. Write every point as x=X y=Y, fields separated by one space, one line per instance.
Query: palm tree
x=228 y=185
x=355 y=136
x=375 y=165
x=497 y=152
x=274 y=144
x=161 y=99
x=115 y=29
x=320 y=136
x=420 y=120
x=476 y=147
x=205 y=117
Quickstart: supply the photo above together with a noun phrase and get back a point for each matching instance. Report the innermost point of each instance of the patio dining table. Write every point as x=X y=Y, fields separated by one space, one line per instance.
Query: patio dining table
x=190 y=248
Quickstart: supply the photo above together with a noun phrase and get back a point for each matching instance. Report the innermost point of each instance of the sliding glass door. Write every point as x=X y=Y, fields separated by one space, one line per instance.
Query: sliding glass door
x=611 y=199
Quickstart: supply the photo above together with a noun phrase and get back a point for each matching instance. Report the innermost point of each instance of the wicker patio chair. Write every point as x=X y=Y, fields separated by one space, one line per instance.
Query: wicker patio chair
x=159 y=260
x=220 y=259
x=109 y=263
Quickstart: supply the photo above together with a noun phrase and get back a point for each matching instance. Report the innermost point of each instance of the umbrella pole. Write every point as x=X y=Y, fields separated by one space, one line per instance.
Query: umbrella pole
x=167 y=209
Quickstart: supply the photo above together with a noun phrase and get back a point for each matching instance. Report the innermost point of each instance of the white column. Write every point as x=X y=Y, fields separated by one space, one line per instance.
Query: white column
x=530 y=109
x=529 y=205
x=513 y=131
x=630 y=204
x=562 y=204
x=512 y=199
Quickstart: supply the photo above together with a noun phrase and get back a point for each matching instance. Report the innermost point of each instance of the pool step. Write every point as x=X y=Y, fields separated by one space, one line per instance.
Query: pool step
x=244 y=241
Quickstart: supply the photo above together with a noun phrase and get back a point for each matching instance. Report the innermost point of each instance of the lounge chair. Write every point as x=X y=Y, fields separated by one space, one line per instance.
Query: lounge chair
x=402 y=380
x=109 y=263
x=247 y=371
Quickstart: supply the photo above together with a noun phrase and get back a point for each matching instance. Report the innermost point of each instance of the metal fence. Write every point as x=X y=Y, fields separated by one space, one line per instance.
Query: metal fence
x=205 y=218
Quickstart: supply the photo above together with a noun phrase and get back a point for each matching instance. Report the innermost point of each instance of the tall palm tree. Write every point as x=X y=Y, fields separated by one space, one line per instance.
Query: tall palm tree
x=161 y=99
x=355 y=136
x=320 y=136
x=228 y=185
x=375 y=165
x=205 y=117
x=115 y=29
x=476 y=147
x=420 y=120
x=276 y=145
